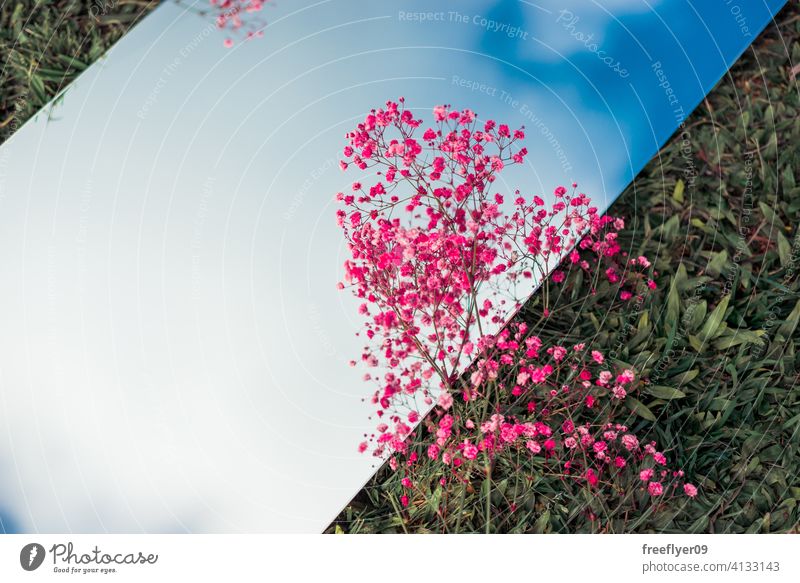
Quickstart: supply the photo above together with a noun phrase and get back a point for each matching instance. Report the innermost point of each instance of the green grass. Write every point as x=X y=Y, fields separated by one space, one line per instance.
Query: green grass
x=719 y=339
x=46 y=44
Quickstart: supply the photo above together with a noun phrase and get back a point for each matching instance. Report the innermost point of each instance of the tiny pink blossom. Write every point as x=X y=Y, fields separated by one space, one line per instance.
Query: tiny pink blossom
x=470 y=450
x=445 y=400
x=630 y=442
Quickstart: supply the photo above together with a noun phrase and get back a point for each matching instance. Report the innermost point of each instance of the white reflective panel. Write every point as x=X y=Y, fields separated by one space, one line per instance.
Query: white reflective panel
x=173 y=354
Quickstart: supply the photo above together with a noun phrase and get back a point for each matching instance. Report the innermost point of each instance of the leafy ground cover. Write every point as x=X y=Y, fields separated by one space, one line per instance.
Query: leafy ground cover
x=46 y=44
x=718 y=212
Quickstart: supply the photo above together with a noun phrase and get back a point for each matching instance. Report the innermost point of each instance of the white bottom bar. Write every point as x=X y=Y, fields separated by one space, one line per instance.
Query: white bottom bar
x=762 y=558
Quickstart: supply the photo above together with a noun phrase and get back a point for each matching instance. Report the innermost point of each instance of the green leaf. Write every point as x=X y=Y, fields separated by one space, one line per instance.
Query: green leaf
x=714 y=320
x=673 y=311
x=784 y=250
x=790 y=324
x=737 y=337
x=717 y=263
x=769 y=214
x=639 y=408
x=677 y=194
x=670 y=228
x=542 y=523
x=699 y=525
x=663 y=392
x=686 y=377
x=698 y=315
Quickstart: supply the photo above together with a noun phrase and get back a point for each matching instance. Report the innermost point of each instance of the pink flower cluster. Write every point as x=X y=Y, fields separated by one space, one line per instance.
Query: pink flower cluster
x=436 y=254
x=560 y=403
x=239 y=17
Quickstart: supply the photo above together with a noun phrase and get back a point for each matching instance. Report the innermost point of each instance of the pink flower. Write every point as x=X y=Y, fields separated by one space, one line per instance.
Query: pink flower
x=445 y=400
x=533 y=446
x=630 y=442
x=645 y=475
x=655 y=488
x=470 y=450
x=626 y=377
x=690 y=490
x=660 y=458
x=507 y=433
